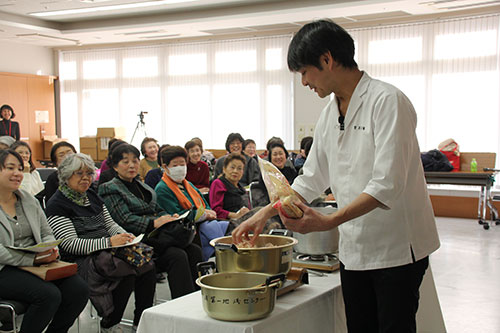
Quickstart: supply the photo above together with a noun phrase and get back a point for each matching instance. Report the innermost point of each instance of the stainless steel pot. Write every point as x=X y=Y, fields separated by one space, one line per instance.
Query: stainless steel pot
x=321 y=242
x=271 y=260
x=239 y=296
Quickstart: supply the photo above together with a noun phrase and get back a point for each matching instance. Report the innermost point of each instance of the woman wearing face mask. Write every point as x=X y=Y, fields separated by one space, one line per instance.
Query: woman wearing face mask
x=176 y=195
x=32 y=182
x=149 y=149
x=7 y=126
x=133 y=205
x=197 y=170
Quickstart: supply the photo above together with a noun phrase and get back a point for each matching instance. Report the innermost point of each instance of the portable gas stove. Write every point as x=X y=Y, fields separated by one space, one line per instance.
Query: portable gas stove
x=322 y=262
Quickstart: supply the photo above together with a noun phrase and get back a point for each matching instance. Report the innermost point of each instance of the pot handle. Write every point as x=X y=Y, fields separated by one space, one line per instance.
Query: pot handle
x=205 y=267
x=281 y=232
x=223 y=246
x=275 y=280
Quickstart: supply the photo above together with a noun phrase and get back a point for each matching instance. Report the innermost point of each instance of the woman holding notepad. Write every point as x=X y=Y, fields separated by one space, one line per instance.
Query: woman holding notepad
x=23 y=224
x=79 y=216
x=134 y=206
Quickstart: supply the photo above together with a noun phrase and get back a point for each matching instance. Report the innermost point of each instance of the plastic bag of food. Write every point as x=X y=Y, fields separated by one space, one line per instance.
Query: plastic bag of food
x=280 y=193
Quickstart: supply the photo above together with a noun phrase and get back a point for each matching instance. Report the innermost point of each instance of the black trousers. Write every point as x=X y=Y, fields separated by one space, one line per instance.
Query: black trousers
x=143 y=286
x=180 y=265
x=60 y=301
x=383 y=300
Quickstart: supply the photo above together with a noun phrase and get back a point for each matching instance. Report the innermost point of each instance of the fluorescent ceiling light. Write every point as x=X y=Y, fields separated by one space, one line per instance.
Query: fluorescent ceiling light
x=110 y=7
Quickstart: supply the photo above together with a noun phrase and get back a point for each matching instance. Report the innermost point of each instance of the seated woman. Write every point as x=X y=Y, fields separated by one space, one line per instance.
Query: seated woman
x=226 y=194
x=23 y=223
x=206 y=155
x=301 y=158
x=234 y=143
x=6 y=141
x=197 y=170
x=249 y=148
x=176 y=195
x=133 y=205
x=58 y=152
x=149 y=149
x=153 y=176
x=278 y=155
x=77 y=215
x=32 y=182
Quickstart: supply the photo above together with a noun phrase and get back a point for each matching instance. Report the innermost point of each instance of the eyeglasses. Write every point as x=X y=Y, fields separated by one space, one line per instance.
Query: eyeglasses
x=80 y=174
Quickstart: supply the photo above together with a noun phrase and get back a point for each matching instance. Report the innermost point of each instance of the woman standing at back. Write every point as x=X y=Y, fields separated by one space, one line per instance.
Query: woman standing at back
x=7 y=126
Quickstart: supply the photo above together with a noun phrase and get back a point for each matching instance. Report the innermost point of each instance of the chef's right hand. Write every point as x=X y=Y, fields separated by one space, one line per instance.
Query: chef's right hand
x=254 y=225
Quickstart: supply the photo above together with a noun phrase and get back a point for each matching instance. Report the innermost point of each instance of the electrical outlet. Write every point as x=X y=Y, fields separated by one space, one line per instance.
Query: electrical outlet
x=309 y=130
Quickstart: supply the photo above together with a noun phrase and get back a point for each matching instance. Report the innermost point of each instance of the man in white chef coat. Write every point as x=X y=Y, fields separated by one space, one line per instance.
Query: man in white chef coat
x=365 y=148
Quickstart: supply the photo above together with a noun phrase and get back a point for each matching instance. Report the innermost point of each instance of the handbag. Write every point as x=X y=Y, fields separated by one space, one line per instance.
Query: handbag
x=179 y=233
x=52 y=271
x=451 y=150
x=136 y=255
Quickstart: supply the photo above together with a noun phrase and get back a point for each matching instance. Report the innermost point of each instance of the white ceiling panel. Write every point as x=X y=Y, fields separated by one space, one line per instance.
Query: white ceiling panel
x=163 y=19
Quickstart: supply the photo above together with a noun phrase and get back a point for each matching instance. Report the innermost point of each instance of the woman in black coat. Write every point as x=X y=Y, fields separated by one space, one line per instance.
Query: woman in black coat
x=8 y=127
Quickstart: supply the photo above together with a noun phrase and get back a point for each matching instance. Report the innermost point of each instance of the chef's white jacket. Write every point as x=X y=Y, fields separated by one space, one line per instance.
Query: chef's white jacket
x=377 y=153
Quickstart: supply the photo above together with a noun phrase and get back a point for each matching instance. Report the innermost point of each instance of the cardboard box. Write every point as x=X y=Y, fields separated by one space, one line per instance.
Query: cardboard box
x=104 y=134
x=88 y=142
x=48 y=142
x=92 y=152
x=111 y=132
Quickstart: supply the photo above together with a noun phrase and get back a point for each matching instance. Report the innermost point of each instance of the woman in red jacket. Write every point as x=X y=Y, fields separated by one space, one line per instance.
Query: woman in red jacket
x=197 y=170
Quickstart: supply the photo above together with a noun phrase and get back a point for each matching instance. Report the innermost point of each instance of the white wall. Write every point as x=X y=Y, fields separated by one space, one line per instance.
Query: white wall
x=307 y=106
x=26 y=59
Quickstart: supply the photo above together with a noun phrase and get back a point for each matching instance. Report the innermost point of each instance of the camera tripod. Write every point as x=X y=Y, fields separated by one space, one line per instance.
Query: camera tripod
x=141 y=125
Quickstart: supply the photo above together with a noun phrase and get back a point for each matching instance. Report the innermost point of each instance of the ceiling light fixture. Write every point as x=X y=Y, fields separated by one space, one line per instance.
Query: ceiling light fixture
x=107 y=8
x=34 y=35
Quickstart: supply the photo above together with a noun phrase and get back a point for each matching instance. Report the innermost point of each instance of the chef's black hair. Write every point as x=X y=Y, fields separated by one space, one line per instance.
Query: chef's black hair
x=317 y=38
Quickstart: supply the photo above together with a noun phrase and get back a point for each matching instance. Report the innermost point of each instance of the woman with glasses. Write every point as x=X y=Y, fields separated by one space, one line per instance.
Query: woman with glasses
x=80 y=217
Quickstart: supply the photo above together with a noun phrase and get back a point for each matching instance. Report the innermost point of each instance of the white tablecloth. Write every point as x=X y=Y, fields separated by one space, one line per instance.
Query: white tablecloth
x=317 y=307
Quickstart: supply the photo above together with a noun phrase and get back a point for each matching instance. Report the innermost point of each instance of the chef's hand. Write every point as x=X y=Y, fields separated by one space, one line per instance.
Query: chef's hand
x=309 y=222
x=254 y=225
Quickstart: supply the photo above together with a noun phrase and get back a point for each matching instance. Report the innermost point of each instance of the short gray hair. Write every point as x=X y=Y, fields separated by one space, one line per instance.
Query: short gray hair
x=72 y=163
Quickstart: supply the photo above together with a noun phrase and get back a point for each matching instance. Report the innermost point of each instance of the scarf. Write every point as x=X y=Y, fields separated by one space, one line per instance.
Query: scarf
x=233 y=198
x=183 y=200
x=72 y=195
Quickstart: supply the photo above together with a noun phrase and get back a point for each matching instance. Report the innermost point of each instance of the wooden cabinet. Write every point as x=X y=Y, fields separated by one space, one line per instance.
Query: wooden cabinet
x=28 y=94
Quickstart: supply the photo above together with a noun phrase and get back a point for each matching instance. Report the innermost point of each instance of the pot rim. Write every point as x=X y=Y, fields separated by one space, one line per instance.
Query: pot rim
x=256 y=288
x=292 y=243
